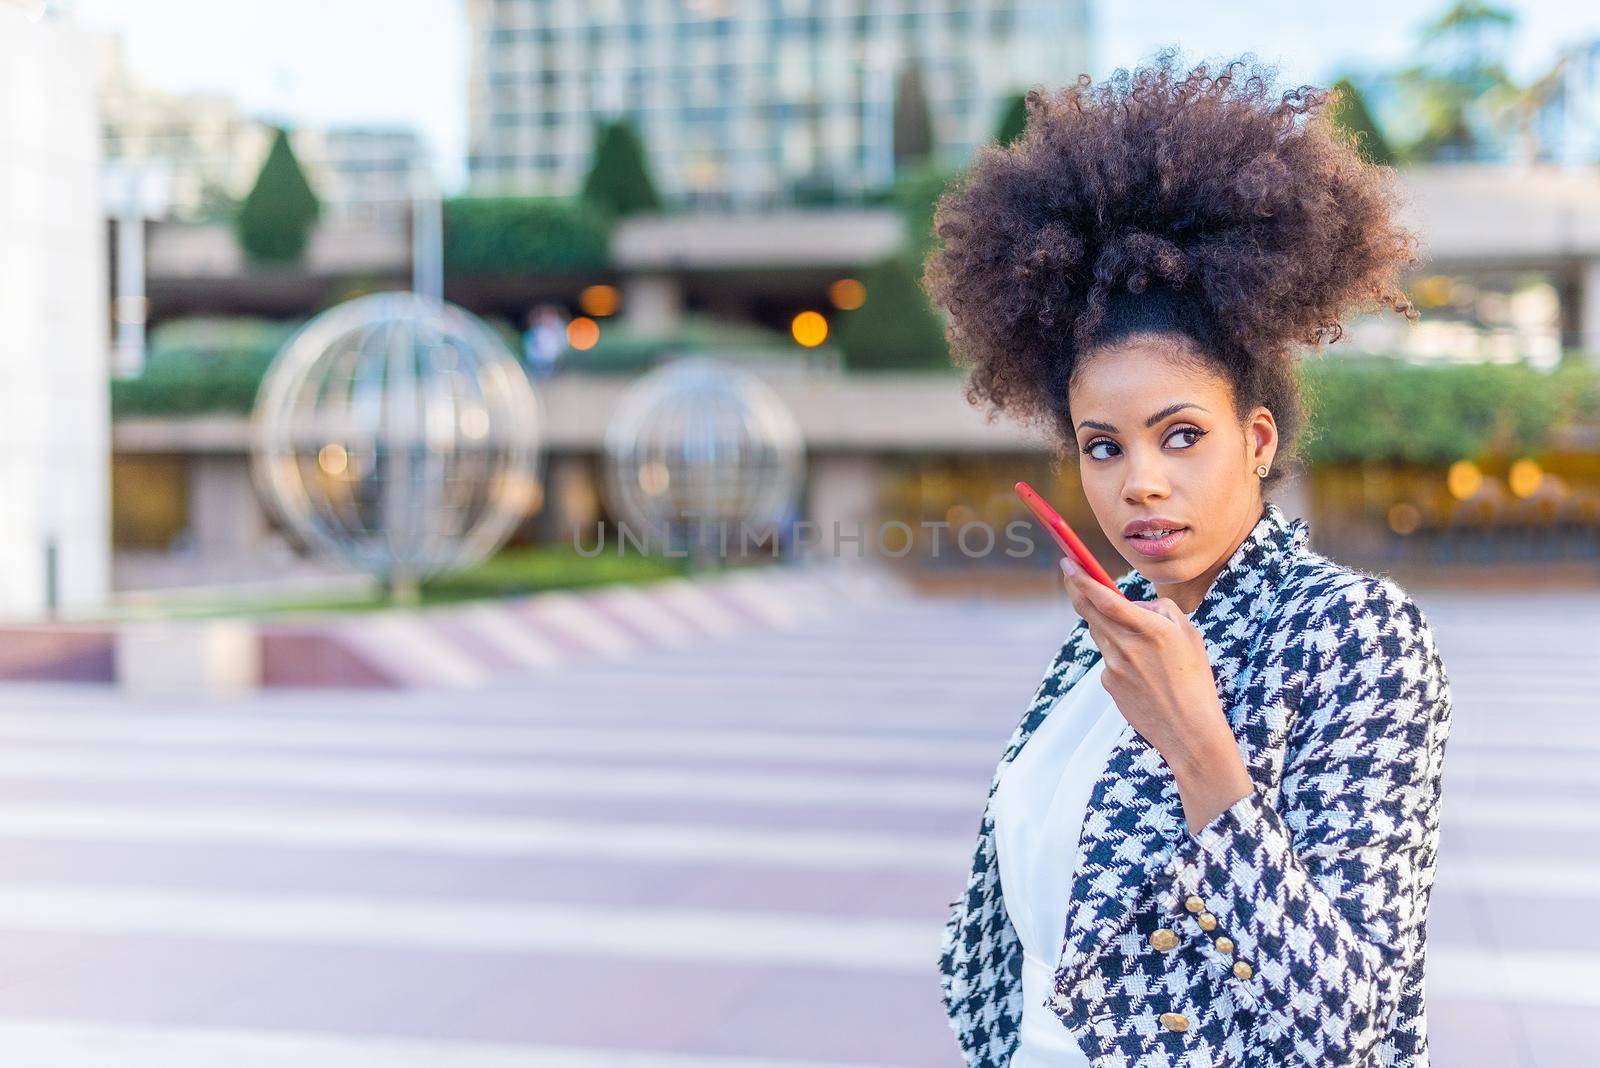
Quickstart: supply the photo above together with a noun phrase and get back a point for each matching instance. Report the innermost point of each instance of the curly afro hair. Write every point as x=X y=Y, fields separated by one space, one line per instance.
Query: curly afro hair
x=1250 y=207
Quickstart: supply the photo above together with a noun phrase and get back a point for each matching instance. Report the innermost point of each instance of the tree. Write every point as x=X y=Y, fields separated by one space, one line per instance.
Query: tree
x=619 y=178
x=274 y=222
x=913 y=122
x=1013 y=120
x=897 y=328
x=1516 y=109
x=1472 y=37
x=1350 y=114
x=916 y=193
x=1464 y=50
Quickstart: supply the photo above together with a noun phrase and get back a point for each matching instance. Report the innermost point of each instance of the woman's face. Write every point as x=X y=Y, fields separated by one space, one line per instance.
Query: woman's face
x=1158 y=439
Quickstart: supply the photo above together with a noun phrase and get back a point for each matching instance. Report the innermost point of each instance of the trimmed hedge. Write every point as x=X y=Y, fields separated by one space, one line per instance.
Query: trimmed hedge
x=194 y=366
x=916 y=192
x=620 y=351
x=897 y=329
x=1359 y=407
x=1376 y=407
x=511 y=235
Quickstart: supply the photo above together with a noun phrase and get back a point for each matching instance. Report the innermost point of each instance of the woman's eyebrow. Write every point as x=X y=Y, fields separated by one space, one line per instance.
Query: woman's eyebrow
x=1152 y=421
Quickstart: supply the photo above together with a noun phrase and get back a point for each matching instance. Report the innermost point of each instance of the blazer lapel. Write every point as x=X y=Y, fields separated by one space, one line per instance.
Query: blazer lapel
x=1135 y=816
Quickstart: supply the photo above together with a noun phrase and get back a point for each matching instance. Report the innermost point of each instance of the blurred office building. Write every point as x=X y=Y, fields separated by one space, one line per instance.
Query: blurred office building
x=208 y=148
x=739 y=102
x=369 y=172
x=211 y=151
x=1568 y=122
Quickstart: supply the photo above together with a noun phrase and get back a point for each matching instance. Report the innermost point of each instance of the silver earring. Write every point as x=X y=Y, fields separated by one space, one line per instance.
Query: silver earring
x=1261 y=469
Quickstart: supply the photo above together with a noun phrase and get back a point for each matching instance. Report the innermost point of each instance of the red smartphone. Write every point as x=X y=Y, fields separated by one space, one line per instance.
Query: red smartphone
x=1064 y=535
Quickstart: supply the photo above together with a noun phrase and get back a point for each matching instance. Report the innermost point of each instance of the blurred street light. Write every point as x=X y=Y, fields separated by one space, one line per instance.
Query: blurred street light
x=599 y=300
x=809 y=329
x=583 y=333
x=847 y=294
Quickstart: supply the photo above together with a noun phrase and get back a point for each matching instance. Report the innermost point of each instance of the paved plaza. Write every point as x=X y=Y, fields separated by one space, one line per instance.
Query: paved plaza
x=732 y=854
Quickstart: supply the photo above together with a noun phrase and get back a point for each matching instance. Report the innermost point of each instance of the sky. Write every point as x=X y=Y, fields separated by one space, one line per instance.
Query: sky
x=321 y=61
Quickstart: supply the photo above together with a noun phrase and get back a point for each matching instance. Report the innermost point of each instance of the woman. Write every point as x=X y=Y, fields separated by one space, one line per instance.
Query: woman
x=1218 y=847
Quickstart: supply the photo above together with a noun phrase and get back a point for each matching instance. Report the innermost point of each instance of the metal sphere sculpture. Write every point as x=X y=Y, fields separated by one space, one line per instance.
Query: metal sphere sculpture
x=398 y=433
x=699 y=453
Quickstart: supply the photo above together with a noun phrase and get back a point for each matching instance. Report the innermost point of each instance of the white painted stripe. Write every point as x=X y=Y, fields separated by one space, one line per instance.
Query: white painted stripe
x=569 y=697
x=92 y=1044
x=809 y=597
x=759 y=597
x=1519 y=814
x=690 y=600
x=343 y=828
x=1571 y=737
x=418 y=651
x=754 y=673
x=497 y=739
x=1561 y=878
x=490 y=780
x=1547 y=978
x=1536 y=702
x=769 y=939
x=581 y=622
x=1552 y=767
x=511 y=635
x=642 y=609
x=721 y=936
x=863 y=585
x=760 y=671
x=945 y=677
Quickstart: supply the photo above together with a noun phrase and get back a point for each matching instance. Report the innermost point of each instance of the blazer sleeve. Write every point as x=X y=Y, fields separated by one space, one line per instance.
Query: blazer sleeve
x=1324 y=897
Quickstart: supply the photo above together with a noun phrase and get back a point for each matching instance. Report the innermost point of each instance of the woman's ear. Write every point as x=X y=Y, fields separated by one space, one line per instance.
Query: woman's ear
x=1261 y=437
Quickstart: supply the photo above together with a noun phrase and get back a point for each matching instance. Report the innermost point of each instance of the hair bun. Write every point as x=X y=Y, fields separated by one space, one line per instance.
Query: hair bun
x=1246 y=203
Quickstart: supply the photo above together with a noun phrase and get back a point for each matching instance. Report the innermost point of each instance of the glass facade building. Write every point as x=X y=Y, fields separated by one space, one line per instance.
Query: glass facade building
x=738 y=100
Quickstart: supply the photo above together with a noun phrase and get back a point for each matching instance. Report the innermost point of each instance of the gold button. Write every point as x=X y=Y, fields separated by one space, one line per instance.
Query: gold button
x=1174 y=1021
x=1224 y=944
x=1243 y=970
x=1164 y=939
x=1206 y=921
x=1193 y=904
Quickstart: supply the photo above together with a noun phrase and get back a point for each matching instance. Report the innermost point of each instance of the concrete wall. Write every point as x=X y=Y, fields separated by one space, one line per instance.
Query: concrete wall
x=850 y=423
x=54 y=423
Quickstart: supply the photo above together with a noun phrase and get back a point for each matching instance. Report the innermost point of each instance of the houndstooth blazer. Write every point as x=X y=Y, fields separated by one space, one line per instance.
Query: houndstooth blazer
x=1300 y=912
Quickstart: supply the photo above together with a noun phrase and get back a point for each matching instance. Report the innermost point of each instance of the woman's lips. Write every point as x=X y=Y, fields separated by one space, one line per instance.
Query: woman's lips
x=1157 y=546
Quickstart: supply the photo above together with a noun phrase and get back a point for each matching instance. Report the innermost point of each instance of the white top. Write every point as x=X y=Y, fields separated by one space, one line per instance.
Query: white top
x=1038 y=811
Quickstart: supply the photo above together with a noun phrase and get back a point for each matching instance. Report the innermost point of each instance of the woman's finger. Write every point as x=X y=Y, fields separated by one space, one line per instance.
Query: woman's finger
x=1111 y=604
x=1069 y=582
x=1167 y=609
x=1077 y=584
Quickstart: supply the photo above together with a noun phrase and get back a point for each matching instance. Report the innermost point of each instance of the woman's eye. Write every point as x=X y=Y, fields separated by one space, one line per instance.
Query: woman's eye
x=1195 y=431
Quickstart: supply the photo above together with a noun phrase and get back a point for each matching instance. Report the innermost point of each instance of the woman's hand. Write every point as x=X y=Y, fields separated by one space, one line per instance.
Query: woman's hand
x=1158 y=673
